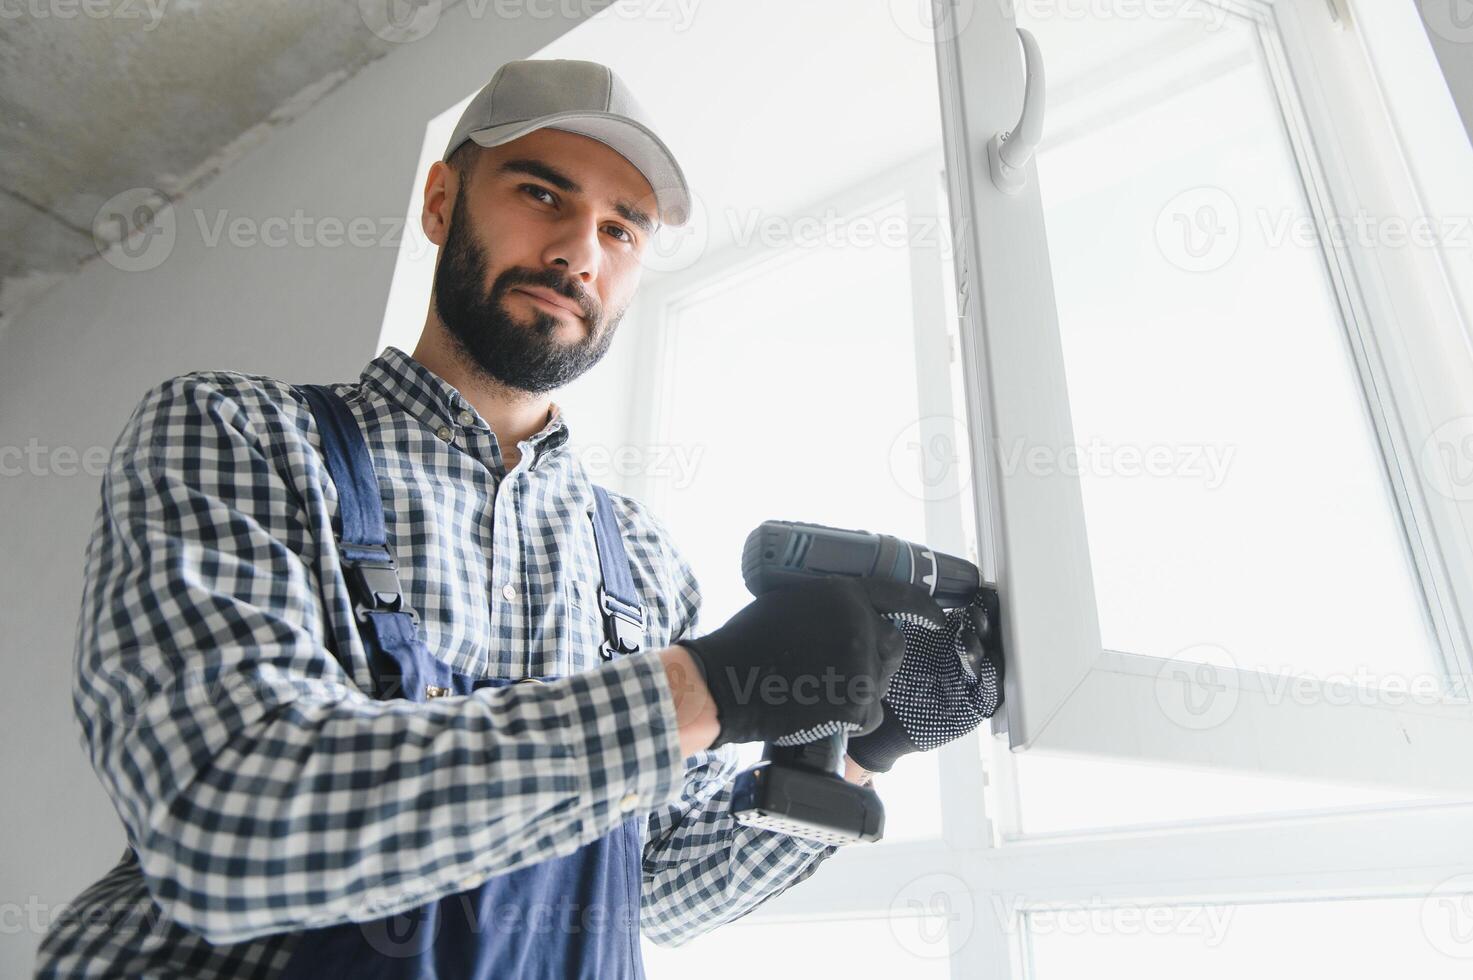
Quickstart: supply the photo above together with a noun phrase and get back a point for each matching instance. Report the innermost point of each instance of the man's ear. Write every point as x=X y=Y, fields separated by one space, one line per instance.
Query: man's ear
x=441 y=186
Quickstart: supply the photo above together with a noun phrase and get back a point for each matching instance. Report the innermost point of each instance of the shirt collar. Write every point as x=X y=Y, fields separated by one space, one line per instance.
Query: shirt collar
x=430 y=398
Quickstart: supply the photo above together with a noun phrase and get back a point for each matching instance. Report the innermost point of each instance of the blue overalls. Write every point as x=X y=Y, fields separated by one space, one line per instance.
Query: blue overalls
x=564 y=918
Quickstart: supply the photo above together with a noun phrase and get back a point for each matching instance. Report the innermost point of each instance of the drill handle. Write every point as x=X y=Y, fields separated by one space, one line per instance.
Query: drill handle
x=825 y=754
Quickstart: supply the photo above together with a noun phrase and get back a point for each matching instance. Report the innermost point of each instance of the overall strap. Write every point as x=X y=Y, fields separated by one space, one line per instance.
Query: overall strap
x=386 y=623
x=618 y=603
x=361 y=540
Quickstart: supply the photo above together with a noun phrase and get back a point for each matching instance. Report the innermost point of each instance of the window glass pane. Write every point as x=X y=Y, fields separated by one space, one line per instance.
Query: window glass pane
x=792 y=383
x=1234 y=491
x=1428 y=937
x=792 y=380
x=873 y=947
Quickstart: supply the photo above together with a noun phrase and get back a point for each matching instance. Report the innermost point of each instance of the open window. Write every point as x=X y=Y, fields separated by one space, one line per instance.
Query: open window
x=1219 y=398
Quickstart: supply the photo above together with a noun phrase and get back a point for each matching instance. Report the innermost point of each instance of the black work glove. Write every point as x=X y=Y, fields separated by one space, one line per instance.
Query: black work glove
x=810 y=659
x=937 y=695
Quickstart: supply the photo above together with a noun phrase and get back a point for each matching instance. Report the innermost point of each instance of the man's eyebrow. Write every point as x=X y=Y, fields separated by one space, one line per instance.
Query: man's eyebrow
x=560 y=180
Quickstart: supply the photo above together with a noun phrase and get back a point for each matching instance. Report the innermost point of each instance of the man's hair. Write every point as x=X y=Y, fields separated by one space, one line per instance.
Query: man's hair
x=465 y=158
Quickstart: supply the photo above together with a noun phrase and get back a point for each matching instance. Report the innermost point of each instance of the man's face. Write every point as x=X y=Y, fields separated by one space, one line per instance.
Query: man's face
x=555 y=213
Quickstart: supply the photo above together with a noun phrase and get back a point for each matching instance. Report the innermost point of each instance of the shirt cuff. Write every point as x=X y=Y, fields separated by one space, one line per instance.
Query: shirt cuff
x=626 y=739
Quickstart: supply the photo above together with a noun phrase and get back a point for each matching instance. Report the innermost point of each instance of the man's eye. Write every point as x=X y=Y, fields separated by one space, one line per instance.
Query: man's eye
x=534 y=189
x=625 y=232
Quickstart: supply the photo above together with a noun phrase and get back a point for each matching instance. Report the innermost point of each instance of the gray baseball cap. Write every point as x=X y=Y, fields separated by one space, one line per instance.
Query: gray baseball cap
x=581 y=97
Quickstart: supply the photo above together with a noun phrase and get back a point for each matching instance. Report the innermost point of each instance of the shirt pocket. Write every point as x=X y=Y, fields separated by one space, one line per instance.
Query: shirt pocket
x=585 y=626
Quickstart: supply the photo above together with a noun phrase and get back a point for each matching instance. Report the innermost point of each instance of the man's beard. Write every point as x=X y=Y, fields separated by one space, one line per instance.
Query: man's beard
x=526 y=357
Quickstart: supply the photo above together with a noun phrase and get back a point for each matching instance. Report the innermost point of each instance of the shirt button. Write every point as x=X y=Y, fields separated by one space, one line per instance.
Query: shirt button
x=628 y=801
x=465 y=417
x=444 y=432
x=509 y=592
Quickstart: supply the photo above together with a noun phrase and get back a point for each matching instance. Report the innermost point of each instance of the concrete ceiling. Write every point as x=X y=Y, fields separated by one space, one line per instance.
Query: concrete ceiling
x=101 y=98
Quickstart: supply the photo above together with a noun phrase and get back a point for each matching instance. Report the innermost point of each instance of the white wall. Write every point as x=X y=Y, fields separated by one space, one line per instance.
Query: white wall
x=75 y=363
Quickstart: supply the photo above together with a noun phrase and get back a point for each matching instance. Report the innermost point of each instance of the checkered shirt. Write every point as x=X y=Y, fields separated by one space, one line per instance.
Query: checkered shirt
x=263 y=792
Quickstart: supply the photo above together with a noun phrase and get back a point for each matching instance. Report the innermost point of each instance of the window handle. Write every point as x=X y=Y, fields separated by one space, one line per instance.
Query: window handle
x=1008 y=153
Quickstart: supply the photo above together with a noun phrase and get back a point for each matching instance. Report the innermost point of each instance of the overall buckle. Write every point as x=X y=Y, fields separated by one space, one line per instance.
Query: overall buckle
x=374 y=582
x=623 y=626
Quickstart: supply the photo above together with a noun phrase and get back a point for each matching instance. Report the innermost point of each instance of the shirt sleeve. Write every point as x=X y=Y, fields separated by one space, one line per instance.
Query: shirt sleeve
x=701 y=868
x=263 y=791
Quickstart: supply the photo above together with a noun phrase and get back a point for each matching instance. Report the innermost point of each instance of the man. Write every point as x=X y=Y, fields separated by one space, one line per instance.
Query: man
x=265 y=797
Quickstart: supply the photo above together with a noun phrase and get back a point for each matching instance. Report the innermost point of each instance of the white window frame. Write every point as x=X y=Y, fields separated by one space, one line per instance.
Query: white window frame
x=1064 y=691
x=986 y=873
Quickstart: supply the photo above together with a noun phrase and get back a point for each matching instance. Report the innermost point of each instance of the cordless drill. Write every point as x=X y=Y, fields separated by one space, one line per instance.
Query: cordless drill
x=800 y=789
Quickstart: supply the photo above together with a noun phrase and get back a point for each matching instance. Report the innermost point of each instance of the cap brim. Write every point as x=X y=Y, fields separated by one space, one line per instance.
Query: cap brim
x=629 y=139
